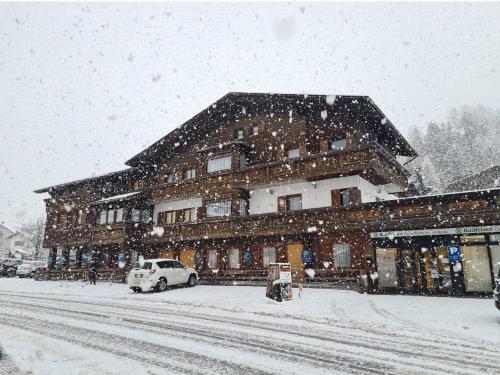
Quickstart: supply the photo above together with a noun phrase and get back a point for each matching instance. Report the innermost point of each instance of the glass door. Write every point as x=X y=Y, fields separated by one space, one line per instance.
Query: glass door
x=386 y=264
x=476 y=267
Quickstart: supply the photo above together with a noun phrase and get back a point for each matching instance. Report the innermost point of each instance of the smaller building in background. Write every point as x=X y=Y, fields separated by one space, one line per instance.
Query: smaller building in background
x=15 y=244
x=485 y=179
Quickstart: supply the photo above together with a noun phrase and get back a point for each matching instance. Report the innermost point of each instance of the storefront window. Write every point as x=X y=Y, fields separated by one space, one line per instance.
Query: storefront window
x=212 y=259
x=341 y=255
x=495 y=258
x=268 y=256
x=476 y=268
x=386 y=263
x=234 y=258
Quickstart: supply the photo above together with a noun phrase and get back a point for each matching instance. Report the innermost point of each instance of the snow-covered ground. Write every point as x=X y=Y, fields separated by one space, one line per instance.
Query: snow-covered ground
x=49 y=327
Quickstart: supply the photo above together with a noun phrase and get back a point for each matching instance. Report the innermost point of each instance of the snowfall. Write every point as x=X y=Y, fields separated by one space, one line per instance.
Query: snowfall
x=49 y=327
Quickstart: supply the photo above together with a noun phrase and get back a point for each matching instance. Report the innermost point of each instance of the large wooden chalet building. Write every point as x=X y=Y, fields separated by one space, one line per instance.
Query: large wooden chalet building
x=316 y=181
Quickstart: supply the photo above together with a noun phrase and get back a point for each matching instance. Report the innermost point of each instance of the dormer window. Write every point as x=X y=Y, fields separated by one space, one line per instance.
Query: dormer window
x=293 y=153
x=219 y=164
x=255 y=130
x=189 y=174
x=238 y=134
x=338 y=144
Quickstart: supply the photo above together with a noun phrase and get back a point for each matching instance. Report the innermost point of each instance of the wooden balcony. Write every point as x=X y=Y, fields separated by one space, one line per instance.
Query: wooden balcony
x=370 y=161
x=389 y=215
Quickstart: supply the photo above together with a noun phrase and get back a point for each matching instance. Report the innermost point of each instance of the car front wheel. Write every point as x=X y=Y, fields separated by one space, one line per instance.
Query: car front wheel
x=192 y=281
x=162 y=285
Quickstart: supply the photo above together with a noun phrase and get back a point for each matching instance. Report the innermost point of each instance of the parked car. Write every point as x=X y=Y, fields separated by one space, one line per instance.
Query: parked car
x=157 y=274
x=28 y=268
x=496 y=292
x=8 y=267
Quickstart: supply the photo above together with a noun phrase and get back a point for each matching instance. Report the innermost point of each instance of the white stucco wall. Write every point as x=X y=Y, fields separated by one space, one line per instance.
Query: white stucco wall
x=175 y=205
x=262 y=201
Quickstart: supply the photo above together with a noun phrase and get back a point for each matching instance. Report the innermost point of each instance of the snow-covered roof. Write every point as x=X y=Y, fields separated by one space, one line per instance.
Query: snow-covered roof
x=232 y=102
x=449 y=194
x=121 y=197
x=83 y=180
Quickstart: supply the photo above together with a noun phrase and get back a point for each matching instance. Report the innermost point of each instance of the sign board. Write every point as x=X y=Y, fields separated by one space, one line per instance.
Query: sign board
x=436 y=232
x=434 y=273
x=247 y=257
x=197 y=257
x=454 y=253
x=307 y=256
x=285 y=273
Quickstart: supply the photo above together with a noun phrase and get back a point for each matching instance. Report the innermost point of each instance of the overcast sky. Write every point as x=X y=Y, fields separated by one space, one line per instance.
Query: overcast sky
x=85 y=87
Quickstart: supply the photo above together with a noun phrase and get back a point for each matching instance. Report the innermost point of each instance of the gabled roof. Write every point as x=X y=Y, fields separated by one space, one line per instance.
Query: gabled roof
x=233 y=103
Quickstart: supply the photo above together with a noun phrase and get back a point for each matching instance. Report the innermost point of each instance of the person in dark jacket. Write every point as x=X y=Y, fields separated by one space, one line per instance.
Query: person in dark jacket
x=93 y=274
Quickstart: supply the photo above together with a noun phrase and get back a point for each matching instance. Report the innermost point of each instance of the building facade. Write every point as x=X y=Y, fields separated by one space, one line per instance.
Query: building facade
x=316 y=181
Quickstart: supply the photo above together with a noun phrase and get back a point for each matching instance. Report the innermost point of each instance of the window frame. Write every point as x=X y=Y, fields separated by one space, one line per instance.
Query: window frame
x=190 y=174
x=227 y=203
x=341 y=251
x=333 y=141
x=228 y=157
x=239 y=134
x=297 y=149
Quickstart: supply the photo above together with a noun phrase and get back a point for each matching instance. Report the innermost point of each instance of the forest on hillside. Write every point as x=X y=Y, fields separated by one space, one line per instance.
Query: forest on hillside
x=466 y=143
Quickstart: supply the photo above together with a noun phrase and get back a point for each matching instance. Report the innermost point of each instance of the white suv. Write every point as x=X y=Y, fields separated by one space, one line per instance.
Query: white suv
x=158 y=273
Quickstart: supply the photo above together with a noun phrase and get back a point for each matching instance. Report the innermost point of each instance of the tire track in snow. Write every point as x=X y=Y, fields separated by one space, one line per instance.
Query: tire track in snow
x=275 y=349
x=450 y=360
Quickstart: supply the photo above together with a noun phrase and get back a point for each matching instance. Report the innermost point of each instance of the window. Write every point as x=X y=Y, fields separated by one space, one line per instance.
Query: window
x=243 y=207
x=290 y=203
x=268 y=256
x=243 y=161
x=18 y=243
x=80 y=217
x=189 y=174
x=216 y=209
x=170 y=217
x=212 y=259
x=136 y=215
x=255 y=130
x=238 y=134
x=102 y=217
x=344 y=197
x=219 y=164
x=119 y=215
x=111 y=216
x=234 y=258
x=338 y=144
x=139 y=184
x=176 y=264
x=189 y=214
x=293 y=153
x=171 y=178
x=294 y=202
x=341 y=255
x=146 y=216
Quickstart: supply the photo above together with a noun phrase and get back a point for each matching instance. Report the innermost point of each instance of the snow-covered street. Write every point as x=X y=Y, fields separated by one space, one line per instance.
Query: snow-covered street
x=49 y=328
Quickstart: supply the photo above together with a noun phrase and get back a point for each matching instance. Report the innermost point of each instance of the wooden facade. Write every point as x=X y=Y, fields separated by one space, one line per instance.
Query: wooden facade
x=218 y=162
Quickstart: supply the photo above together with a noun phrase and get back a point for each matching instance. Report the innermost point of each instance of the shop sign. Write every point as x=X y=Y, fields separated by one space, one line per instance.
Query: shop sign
x=307 y=256
x=436 y=232
x=454 y=253
x=434 y=273
x=197 y=257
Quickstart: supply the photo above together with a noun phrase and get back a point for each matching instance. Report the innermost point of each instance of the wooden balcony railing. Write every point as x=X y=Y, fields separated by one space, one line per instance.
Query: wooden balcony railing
x=371 y=161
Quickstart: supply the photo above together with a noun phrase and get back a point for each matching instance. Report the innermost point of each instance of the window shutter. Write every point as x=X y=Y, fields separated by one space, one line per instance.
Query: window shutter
x=199 y=213
x=323 y=145
x=336 y=198
x=282 y=204
x=281 y=154
x=302 y=150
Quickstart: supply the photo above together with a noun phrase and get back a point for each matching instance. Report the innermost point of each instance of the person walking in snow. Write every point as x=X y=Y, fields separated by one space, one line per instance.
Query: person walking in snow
x=93 y=274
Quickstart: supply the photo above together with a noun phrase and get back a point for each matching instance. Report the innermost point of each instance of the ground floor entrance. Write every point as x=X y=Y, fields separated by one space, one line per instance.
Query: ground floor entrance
x=441 y=264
